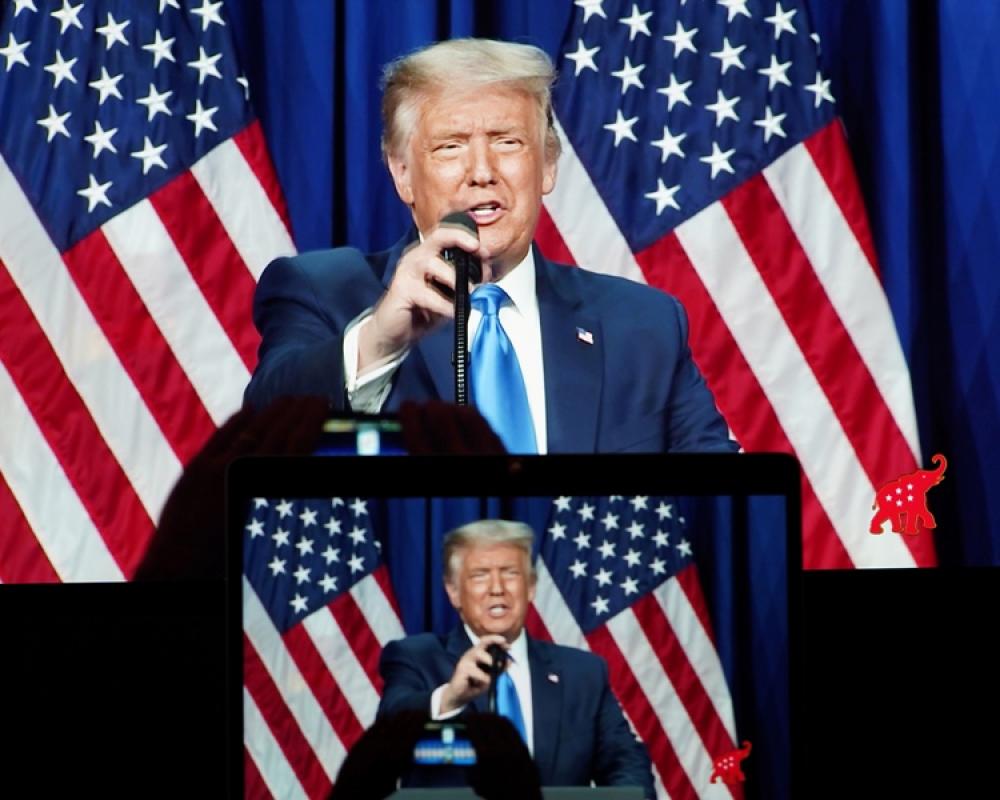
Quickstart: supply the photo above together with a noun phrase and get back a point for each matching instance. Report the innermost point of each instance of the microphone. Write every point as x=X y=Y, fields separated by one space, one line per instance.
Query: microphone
x=499 y=656
x=467 y=267
x=456 y=255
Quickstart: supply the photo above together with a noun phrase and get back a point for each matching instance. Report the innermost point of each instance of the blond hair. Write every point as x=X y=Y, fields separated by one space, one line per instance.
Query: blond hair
x=460 y=64
x=485 y=532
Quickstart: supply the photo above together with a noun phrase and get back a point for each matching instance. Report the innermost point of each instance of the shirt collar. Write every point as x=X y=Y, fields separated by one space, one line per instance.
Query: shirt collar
x=519 y=284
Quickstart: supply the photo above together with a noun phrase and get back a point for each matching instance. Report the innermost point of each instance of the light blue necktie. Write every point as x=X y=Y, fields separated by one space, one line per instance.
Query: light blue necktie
x=508 y=704
x=497 y=384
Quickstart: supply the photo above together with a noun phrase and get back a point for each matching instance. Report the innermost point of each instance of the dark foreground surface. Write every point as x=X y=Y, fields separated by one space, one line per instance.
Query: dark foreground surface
x=121 y=689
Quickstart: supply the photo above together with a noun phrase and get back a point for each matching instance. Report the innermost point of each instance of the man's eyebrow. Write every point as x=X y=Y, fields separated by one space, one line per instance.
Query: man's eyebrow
x=499 y=130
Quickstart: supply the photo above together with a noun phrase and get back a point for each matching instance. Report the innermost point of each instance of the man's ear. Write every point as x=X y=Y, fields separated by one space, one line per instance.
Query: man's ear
x=549 y=170
x=400 y=172
x=453 y=595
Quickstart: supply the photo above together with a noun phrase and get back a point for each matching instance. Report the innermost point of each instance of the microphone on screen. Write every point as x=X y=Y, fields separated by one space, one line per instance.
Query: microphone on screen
x=467 y=268
x=456 y=255
x=499 y=658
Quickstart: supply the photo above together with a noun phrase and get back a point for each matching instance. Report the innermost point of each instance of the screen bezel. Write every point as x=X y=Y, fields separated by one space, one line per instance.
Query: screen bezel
x=743 y=474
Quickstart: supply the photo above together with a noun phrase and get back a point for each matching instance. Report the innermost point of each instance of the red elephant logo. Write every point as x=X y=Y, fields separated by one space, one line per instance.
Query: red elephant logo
x=907 y=497
x=727 y=766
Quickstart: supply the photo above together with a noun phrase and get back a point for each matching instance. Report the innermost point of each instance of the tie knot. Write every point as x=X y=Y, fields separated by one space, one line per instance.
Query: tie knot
x=488 y=298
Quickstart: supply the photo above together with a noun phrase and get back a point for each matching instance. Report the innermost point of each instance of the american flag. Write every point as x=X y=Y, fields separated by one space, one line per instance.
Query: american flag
x=317 y=608
x=138 y=208
x=702 y=155
x=616 y=576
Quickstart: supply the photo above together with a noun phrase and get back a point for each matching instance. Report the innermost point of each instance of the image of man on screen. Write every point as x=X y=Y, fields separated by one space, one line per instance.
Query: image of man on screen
x=558 y=697
x=601 y=363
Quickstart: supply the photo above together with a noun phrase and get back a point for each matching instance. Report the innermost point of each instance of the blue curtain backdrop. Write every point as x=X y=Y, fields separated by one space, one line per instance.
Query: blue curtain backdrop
x=915 y=84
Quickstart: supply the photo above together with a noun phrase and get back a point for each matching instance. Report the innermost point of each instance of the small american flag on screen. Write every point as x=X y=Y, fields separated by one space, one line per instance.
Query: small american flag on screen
x=139 y=207
x=702 y=155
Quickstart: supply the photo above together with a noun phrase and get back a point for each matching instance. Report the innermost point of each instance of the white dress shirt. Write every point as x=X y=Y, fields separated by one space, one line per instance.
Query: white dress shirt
x=521 y=321
x=520 y=674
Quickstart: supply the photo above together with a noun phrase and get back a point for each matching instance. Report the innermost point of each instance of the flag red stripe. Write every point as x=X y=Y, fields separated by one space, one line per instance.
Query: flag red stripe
x=213 y=261
x=550 y=241
x=355 y=628
x=22 y=559
x=254 y=787
x=284 y=728
x=818 y=330
x=381 y=576
x=323 y=684
x=688 y=580
x=253 y=146
x=829 y=150
x=824 y=341
x=140 y=346
x=67 y=426
x=674 y=660
x=639 y=710
x=736 y=389
x=535 y=625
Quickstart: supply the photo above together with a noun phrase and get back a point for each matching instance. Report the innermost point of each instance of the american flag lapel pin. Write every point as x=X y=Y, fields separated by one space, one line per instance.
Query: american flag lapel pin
x=584 y=336
x=553 y=678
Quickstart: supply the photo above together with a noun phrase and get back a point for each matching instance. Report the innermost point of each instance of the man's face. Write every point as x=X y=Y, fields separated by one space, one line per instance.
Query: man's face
x=479 y=151
x=491 y=589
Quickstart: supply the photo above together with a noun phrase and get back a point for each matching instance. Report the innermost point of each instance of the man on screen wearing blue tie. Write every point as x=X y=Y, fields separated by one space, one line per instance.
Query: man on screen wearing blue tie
x=557 y=697
x=562 y=359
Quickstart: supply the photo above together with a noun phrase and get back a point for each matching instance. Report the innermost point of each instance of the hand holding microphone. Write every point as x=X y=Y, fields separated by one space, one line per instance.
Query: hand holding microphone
x=475 y=672
x=418 y=299
x=499 y=656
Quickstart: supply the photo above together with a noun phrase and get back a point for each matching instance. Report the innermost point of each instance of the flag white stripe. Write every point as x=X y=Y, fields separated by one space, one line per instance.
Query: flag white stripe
x=665 y=702
x=295 y=690
x=272 y=765
x=829 y=461
x=698 y=648
x=243 y=207
x=48 y=501
x=378 y=611
x=552 y=608
x=849 y=279
x=336 y=652
x=90 y=362
x=583 y=220
x=184 y=317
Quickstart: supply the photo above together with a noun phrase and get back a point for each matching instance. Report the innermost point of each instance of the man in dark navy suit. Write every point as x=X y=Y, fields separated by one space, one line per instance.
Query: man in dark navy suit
x=570 y=720
x=468 y=127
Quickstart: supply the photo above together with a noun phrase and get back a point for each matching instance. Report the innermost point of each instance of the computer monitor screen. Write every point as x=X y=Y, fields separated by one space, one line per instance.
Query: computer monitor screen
x=681 y=571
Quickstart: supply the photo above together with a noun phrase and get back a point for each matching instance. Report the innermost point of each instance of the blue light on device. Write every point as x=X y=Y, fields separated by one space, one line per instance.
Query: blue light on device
x=447 y=749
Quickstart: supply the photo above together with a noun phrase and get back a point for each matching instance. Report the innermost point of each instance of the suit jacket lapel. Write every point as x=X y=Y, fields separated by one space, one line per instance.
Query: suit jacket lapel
x=546 y=707
x=573 y=358
x=458 y=642
x=437 y=350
